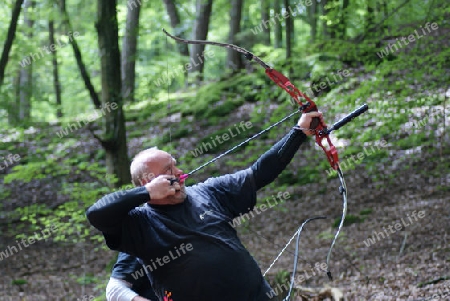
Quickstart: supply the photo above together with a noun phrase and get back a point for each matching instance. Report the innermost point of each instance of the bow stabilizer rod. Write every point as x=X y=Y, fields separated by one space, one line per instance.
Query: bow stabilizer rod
x=347 y=118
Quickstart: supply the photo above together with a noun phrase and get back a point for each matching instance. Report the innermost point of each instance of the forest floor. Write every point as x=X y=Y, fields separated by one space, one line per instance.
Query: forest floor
x=409 y=263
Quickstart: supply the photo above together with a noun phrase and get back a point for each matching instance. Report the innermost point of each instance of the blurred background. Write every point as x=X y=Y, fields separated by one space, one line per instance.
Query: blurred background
x=85 y=85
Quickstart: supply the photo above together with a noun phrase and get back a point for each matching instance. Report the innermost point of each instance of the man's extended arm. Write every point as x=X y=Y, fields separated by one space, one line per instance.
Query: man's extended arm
x=274 y=161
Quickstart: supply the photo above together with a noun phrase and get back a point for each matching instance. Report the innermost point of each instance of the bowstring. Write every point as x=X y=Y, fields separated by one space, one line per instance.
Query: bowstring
x=169 y=107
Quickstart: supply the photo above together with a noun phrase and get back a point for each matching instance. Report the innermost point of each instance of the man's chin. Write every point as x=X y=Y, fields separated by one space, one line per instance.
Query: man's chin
x=179 y=196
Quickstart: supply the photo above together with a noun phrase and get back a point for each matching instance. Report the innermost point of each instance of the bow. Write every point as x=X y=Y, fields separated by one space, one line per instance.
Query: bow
x=320 y=129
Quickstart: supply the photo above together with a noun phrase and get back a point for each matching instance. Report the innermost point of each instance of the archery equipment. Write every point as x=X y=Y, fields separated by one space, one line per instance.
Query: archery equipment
x=320 y=129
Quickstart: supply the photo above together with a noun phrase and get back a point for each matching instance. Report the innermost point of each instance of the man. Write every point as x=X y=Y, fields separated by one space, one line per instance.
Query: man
x=128 y=282
x=183 y=234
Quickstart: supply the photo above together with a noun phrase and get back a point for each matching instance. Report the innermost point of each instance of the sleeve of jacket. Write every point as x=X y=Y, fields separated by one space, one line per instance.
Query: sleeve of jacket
x=119 y=290
x=274 y=161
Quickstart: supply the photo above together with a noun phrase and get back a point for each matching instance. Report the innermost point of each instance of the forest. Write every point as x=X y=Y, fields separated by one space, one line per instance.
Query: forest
x=85 y=86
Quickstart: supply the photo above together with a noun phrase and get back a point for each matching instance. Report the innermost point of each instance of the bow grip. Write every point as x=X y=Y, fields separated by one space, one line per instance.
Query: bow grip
x=316 y=120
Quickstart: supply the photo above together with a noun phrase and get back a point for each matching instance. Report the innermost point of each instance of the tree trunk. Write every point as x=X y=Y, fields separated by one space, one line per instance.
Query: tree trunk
x=129 y=53
x=324 y=22
x=288 y=31
x=200 y=32
x=334 y=14
x=26 y=72
x=278 y=30
x=265 y=16
x=234 y=58
x=175 y=23
x=56 y=83
x=9 y=39
x=79 y=59
x=312 y=16
x=114 y=140
x=13 y=111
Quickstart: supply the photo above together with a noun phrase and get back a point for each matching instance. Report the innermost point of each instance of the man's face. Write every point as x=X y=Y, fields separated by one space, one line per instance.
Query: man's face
x=162 y=163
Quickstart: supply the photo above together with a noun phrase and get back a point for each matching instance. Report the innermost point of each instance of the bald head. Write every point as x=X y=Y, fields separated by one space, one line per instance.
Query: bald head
x=140 y=168
x=149 y=164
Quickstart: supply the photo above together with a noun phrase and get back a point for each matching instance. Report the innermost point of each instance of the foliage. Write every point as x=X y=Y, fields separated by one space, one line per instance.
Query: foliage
x=68 y=217
x=404 y=90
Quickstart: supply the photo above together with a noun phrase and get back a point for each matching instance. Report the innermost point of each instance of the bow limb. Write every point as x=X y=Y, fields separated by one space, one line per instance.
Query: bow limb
x=250 y=56
x=343 y=191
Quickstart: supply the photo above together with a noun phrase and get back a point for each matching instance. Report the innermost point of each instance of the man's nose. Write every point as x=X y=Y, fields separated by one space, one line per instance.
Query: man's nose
x=178 y=172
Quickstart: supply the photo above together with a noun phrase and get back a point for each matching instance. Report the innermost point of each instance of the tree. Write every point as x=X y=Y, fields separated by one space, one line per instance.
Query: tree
x=201 y=25
x=56 y=82
x=289 y=30
x=312 y=19
x=324 y=18
x=175 y=24
x=9 y=38
x=343 y=31
x=26 y=72
x=129 y=52
x=278 y=30
x=234 y=59
x=114 y=136
x=265 y=16
x=78 y=57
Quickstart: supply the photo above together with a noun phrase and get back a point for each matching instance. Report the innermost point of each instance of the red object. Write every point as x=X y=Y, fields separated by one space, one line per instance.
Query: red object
x=284 y=83
x=183 y=177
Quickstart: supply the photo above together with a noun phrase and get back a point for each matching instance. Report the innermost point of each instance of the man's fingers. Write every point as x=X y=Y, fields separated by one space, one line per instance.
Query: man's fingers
x=315 y=114
x=172 y=191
